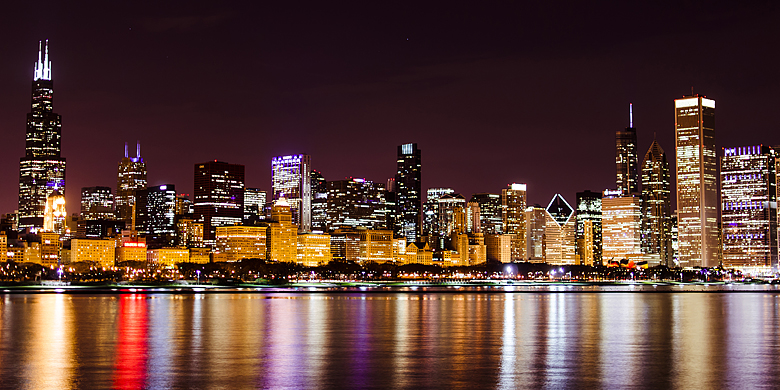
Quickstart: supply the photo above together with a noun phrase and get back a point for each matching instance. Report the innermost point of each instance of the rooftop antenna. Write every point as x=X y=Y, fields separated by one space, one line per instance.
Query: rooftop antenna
x=125 y=149
x=631 y=115
x=138 y=149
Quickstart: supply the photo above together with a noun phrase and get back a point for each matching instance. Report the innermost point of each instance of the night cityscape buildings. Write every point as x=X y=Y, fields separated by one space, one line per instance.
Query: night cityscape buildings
x=131 y=177
x=408 y=189
x=42 y=169
x=219 y=196
x=656 y=205
x=697 y=181
x=291 y=179
x=626 y=157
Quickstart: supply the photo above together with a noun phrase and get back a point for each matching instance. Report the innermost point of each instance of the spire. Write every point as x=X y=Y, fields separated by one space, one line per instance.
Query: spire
x=43 y=66
x=631 y=115
x=125 y=149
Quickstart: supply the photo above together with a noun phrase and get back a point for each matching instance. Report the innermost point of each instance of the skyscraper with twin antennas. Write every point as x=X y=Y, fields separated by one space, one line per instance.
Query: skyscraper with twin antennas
x=42 y=169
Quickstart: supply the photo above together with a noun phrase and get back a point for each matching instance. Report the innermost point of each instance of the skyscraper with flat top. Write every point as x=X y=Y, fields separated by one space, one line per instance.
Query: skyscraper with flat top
x=626 y=157
x=42 y=169
x=697 y=181
x=219 y=196
x=408 y=181
x=291 y=179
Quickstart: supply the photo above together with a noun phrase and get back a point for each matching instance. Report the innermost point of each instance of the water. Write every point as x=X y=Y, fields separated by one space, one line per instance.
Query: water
x=391 y=340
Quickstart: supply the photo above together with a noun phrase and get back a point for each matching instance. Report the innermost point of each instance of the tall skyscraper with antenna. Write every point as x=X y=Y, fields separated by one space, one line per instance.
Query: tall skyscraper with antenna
x=131 y=177
x=626 y=157
x=42 y=169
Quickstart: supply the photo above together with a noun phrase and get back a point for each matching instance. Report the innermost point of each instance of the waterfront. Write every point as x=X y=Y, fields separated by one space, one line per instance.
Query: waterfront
x=377 y=339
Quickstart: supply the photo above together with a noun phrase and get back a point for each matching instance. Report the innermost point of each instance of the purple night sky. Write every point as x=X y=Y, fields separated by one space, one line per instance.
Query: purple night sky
x=492 y=94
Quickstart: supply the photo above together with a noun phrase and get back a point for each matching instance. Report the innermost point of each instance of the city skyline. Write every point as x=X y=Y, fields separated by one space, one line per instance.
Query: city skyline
x=436 y=95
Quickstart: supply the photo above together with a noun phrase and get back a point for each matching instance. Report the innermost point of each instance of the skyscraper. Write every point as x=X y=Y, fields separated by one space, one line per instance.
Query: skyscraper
x=697 y=181
x=408 y=181
x=621 y=226
x=559 y=232
x=131 y=177
x=490 y=216
x=97 y=203
x=319 y=202
x=219 y=196
x=513 y=205
x=254 y=204
x=355 y=203
x=155 y=211
x=42 y=169
x=749 y=207
x=626 y=157
x=589 y=234
x=291 y=179
x=656 y=206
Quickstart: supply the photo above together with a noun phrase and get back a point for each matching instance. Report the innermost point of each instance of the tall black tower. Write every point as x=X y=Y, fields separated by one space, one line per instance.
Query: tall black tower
x=408 y=193
x=626 y=158
x=42 y=169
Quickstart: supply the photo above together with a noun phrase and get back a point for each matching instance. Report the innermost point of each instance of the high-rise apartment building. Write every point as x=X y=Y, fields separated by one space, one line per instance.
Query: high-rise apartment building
x=697 y=181
x=219 y=196
x=490 y=213
x=749 y=207
x=97 y=203
x=408 y=182
x=131 y=177
x=656 y=206
x=588 y=235
x=42 y=169
x=291 y=179
x=355 y=203
x=626 y=157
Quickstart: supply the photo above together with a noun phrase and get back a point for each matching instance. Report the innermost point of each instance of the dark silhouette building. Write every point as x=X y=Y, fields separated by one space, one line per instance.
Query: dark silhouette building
x=219 y=196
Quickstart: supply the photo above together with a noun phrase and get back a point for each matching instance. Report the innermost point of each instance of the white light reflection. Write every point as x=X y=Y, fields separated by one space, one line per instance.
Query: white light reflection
x=506 y=379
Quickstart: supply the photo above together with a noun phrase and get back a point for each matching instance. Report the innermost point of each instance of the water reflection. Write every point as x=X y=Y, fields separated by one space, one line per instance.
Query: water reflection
x=402 y=341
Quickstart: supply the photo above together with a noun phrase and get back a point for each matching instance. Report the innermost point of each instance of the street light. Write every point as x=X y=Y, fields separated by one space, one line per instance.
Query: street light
x=198 y=272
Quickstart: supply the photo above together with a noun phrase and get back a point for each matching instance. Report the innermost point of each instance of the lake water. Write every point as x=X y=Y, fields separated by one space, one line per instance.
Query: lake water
x=403 y=340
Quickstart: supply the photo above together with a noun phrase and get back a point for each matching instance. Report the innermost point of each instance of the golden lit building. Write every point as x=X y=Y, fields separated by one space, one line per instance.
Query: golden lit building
x=477 y=253
x=399 y=250
x=376 y=245
x=189 y=232
x=513 y=206
x=621 y=221
x=3 y=244
x=99 y=251
x=32 y=253
x=498 y=247
x=559 y=232
x=131 y=251
x=697 y=182
x=54 y=214
x=419 y=253
x=585 y=244
x=240 y=242
x=168 y=257
x=282 y=237
x=536 y=223
x=313 y=249
x=200 y=255
x=50 y=248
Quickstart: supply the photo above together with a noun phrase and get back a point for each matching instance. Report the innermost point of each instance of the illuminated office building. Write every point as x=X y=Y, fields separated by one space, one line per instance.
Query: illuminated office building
x=42 y=169
x=513 y=205
x=626 y=157
x=254 y=204
x=535 y=227
x=131 y=177
x=559 y=232
x=656 y=205
x=408 y=182
x=97 y=203
x=621 y=221
x=282 y=241
x=473 y=224
x=291 y=179
x=219 y=196
x=240 y=242
x=451 y=214
x=314 y=249
x=490 y=213
x=155 y=212
x=430 y=211
x=183 y=205
x=319 y=202
x=749 y=207
x=588 y=234
x=697 y=181
x=355 y=203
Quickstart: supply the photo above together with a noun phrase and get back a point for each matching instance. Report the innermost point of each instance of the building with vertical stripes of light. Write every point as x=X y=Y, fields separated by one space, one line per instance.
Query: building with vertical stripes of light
x=749 y=207
x=697 y=181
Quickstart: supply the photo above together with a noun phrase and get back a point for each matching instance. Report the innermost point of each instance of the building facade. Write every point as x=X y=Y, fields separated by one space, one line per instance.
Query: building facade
x=291 y=179
x=656 y=205
x=588 y=227
x=355 y=203
x=408 y=198
x=42 y=169
x=749 y=207
x=626 y=158
x=131 y=177
x=622 y=227
x=219 y=196
x=697 y=181
x=97 y=203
